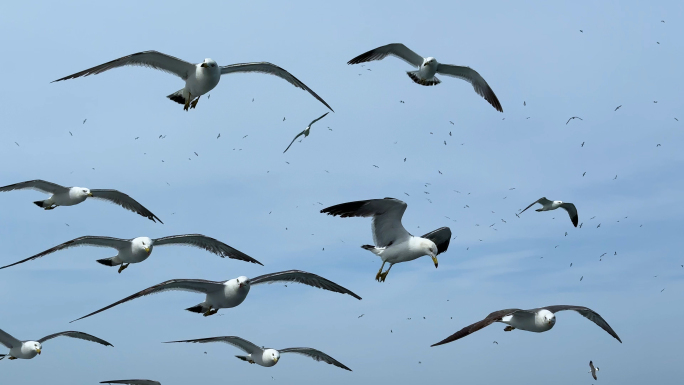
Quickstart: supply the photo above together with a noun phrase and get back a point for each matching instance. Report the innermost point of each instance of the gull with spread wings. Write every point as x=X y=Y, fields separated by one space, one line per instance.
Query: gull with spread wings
x=29 y=348
x=69 y=196
x=199 y=78
x=428 y=67
x=306 y=131
x=548 y=205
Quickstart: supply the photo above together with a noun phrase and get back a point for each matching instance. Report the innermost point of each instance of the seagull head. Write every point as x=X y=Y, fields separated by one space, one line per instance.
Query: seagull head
x=430 y=249
x=208 y=63
x=429 y=62
x=82 y=192
x=242 y=282
x=143 y=243
x=271 y=355
x=548 y=318
x=36 y=346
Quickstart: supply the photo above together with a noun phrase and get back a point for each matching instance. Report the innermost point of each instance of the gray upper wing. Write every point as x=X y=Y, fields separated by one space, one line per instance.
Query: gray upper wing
x=490 y=319
x=317 y=119
x=125 y=201
x=271 y=69
x=293 y=140
x=542 y=201
x=79 y=335
x=317 y=355
x=238 y=342
x=8 y=340
x=572 y=211
x=471 y=76
x=395 y=49
x=586 y=313
x=150 y=59
x=209 y=244
x=38 y=184
x=304 y=278
x=441 y=237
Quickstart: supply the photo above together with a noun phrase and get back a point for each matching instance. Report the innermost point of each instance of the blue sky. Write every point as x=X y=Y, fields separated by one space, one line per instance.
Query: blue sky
x=243 y=192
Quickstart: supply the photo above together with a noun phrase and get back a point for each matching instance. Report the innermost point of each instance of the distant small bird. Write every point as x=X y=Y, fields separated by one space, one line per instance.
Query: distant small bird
x=658 y=145
x=136 y=138
x=245 y=136
x=574 y=117
x=615 y=177
x=581 y=31
x=618 y=107
x=451 y=122
x=219 y=135
x=548 y=205
x=598 y=226
x=582 y=144
x=581 y=278
x=593 y=370
x=73 y=135
x=283 y=118
x=306 y=131
x=17 y=144
x=376 y=166
x=361 y=315
x=524 y=104
x=495 y=342
x=655 y=101
x=585 y=173
x=84 y=120
x=404 y=159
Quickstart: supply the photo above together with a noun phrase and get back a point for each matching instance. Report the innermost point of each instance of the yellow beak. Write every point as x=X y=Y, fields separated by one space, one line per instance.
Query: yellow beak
x=275 y=359
x=147 y=249
x=434 y=259
x=204 y=65
x=90 y=194
x=38 y=350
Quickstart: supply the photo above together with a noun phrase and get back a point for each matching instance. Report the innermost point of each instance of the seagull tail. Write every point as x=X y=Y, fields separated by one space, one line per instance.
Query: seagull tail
x=243 y=358
x=108 y=261
x=414 y=75
x=177 y=97
x=372 y=249
x=39 y=203
x=198 y=308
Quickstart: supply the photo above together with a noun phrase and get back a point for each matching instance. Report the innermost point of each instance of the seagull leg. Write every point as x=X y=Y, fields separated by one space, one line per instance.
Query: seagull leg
x=52 y=207
x=384 y=275
x=11 y=358
x=377 y=276
x=194 y=102
x=210 y=312
x=509 y=328
x=187 y=102
x=251 y=362
x=123 y=267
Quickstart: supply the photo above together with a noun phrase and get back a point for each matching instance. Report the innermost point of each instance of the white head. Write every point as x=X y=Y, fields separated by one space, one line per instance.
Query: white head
x=558 y=202
x=33 y=346
x=242 y=282
x=142 y=243
x=209 y=63
x=429 y=62
x=547 y=318
x=81 y=192
x=270 y=356
x=430 y=249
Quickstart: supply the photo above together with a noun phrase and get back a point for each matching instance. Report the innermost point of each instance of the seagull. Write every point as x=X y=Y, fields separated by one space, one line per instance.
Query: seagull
x=428 y=67
x=139 y=249
x=29 y=349
x=69 y=196
x=306 y=131
x=265 y=356
x=393 y=243
x=593 y=370
x=84 y=120
x=132 y=382
x=618 y=107
x=548 y=205
x=231 y=293
x=533 y=320
x=574 y=117
x=199 y=78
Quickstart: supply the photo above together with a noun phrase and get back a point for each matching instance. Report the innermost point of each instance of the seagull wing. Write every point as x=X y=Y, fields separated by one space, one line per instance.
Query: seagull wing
x=441 y=237
x=572 y=211
x=271 y=69
x=588 y=314
x=40 y=185
x=396 y=49
x=317 y=355
x=471 y=76
x=150 y=59
x=207 y=243
x=542 y=201
x=8 y=340
x=79 y=335
x=317 y=119
x=304 y=278
x=132 y=382
x=125 y=201
x=238 y=342
x=490 y=319
x=386 y=213
x=194 y=285
x=293 y=140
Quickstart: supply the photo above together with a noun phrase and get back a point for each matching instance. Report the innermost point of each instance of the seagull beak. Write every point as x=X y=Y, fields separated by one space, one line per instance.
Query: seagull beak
x=38 y=350
x=147 y=249
x=90 y=194
x=275 y=359
x=204 y=65
x=434 y=259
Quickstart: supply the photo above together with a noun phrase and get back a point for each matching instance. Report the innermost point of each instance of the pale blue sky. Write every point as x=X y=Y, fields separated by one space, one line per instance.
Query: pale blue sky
x=531 y=52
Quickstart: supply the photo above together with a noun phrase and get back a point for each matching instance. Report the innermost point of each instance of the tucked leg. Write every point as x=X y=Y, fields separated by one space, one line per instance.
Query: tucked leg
x=509 y=328
x=210 y=312
x=123 y=267
x=377 y=276
x=12 y=358
x=187 y=102
x=384 y=275
x=194 y=102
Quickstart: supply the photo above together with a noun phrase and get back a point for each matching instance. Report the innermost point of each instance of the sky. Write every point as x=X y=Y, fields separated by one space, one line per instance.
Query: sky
x=445 y=151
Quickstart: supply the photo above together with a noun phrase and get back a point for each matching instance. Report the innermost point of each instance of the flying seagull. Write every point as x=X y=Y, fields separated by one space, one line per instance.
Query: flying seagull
x=69 y=196
x=231 y=293
x=132 y=382
x=618 y=107
x=393 y=243
x=533 y=320
x=306 y=131
x=548 y=205
x=265 y=356
x=29 y=349
x=574 y=117
x=593 y=370
x=428 y=67
x=139 y=249
x=199 y=78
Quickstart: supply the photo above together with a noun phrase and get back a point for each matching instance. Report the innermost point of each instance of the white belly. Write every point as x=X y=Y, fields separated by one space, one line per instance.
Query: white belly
x=65 y=200
x=226 y=298
x=526 y=321
x=202 y=81
x=133 y=256
x=21 y=352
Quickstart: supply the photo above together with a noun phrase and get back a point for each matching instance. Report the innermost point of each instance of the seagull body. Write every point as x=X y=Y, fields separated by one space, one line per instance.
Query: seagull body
x=70 y=196
x=428 y=67
x=533 y=320
x=199 y=78
x=393 y=243
x=264 y=356
x=139 y=249
x=231 y=293
x=593 y=370
x=548 y=205
x=306 y=131
x=29 y=349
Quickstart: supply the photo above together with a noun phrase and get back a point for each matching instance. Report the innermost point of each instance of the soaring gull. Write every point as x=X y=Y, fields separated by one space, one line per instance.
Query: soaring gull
x=428 y=67
x=29 y=348
x=132 y=382
x=199 y=78
x=548 y=205
x=231 y=293
x=533 y=320
x=393 y=243
x=265 y=356
x=306 y=131
x=593 y=370
x=69 y=196
x=139 y=249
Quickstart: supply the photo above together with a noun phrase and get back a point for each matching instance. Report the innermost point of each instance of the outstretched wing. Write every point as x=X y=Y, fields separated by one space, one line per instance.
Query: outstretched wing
x=386 y=213
x=572 y=211
x=115 y=243
x=38 y=184
x=588 y=314
x=543 y=201
x=271 y=69
x=79 y=335
x=490 y=319
x=441 y=237
x=304 y=278
x=317 y=355
x=293 y=140
x=209 y=244
x=125 y=201
x=317 y=119
x=194 y=285
x=8 y=340
x=132 y=382
x=396 y=49
x=471 y=76
x=150 y=59
x=238 y=342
